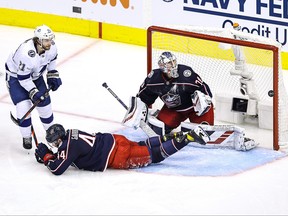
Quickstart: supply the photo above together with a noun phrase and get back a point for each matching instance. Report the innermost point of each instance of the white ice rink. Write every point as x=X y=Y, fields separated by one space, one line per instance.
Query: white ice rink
x=28 y=188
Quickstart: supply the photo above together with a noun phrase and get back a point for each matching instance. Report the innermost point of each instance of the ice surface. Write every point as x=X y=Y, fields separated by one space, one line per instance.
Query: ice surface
x=28 y=188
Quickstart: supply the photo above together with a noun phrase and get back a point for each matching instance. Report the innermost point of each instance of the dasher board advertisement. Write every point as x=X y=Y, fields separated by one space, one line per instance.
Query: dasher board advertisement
x=268 y=18
x=122 y=12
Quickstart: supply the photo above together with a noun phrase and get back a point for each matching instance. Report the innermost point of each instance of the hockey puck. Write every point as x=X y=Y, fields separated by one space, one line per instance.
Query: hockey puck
x=271 y=93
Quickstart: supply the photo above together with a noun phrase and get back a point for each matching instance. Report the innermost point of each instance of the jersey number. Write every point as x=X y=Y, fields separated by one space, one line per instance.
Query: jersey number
x=88 y=139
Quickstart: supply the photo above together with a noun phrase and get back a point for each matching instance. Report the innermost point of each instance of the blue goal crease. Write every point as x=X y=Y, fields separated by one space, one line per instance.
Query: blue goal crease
x=197 y=161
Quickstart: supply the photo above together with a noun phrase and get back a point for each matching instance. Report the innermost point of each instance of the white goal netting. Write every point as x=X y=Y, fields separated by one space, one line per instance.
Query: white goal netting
x=235 y=65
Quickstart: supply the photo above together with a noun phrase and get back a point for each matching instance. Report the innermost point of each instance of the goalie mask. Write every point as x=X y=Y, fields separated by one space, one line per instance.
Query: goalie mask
x=168 y=64
x=54 y=133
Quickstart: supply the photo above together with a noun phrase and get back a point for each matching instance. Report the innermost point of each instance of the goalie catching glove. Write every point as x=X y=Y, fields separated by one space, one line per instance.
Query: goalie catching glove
x=136 y=112
x=201 y=102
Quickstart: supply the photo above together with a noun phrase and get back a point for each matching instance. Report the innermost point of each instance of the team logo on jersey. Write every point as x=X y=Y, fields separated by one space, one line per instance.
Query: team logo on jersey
x=31 y=53
x=187 y=73
x=171 y=100
x=150 y=74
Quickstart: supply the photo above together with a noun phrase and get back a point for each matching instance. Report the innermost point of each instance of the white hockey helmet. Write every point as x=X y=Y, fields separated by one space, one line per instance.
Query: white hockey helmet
x=44 y=32
x=168 y=64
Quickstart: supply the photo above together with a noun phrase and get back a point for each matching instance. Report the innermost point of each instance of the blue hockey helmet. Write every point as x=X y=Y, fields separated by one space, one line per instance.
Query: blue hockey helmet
x=54 y=133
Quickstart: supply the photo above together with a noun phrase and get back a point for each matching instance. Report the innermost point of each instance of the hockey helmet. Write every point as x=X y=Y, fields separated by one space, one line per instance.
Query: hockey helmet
x=54 y=133
x=168 y=64
x=44 y=32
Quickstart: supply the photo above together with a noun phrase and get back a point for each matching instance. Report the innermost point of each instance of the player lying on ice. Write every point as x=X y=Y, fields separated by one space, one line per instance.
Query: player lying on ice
x=96 y=152
x=99 y=151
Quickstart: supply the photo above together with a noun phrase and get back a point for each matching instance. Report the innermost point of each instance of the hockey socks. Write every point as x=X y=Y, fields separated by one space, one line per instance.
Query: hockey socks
x=160 y=150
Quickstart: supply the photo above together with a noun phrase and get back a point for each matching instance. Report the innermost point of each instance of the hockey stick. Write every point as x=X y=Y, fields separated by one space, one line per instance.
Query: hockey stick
x=143 y=125
x=18 y=122
x=34 y=135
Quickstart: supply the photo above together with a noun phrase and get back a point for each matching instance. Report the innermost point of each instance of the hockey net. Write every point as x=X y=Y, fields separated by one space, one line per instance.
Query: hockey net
x=242 y=70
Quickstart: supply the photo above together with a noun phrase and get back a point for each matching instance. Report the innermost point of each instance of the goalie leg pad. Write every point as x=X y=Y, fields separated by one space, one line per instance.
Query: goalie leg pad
x=243 y=143
x=224 y=136
x=156 y=125
x=187 y=126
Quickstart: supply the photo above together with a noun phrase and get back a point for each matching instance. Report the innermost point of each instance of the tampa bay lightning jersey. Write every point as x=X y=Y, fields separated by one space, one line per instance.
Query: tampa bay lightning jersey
x=83 y=151
x=26 y=64
x=174 y=92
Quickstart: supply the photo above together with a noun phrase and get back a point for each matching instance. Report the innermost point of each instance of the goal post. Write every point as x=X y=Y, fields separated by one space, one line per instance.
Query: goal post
x=243 y=71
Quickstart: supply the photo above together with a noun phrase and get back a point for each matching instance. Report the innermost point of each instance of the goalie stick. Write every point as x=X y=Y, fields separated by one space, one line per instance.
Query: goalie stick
x=18 y=122
x=143 y=125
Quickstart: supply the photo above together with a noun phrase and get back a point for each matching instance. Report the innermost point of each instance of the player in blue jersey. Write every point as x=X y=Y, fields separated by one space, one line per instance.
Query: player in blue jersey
x=184 y=93
x=96 y=152
x=25 y=68
x=99 y=151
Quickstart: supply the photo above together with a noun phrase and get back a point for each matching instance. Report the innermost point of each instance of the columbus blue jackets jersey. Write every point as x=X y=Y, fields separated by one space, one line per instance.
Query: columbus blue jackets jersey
x=175 y=92
x=83 y=151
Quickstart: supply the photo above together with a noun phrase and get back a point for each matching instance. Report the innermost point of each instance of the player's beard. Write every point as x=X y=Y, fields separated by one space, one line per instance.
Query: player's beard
x=47 y=47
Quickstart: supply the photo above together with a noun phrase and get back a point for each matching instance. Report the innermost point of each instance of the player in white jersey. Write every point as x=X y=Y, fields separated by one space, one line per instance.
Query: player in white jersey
x=25 y=68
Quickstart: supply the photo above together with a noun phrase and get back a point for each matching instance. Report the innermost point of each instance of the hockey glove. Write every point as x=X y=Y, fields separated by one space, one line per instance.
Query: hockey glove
x=53 y=80
x=43 y=154
x=201 y=102
x=35 y=95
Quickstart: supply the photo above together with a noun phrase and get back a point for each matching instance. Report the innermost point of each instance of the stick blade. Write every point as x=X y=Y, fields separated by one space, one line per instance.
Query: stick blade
x=14 y=119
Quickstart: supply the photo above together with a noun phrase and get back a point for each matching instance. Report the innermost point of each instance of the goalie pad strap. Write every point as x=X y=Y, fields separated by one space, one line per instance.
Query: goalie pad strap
x=220 y=135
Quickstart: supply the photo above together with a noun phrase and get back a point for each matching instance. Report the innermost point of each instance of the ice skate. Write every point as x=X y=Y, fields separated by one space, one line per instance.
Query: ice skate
x=27 y=143
x=198 y=135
